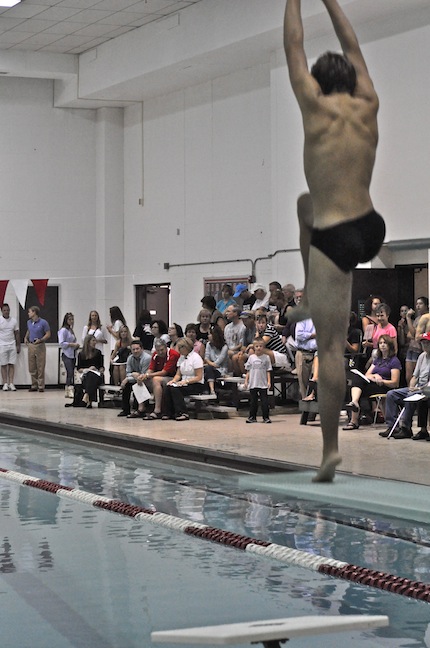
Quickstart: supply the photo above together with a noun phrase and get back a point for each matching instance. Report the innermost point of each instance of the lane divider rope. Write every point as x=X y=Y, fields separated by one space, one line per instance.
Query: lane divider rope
x=329 y=566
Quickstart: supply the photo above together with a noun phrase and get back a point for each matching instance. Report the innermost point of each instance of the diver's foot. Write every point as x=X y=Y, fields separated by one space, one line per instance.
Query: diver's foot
x=327 y=470
x=298 y=313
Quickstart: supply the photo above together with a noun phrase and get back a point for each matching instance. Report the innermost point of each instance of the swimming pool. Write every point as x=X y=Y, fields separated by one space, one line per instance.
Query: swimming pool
x=72 y=575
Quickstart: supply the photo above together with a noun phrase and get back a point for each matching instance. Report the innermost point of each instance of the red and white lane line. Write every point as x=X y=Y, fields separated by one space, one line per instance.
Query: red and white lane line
x=321 y=564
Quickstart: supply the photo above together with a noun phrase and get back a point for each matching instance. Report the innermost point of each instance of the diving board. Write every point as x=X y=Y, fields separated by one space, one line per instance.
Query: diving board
x=269 y=632
x=394 y=499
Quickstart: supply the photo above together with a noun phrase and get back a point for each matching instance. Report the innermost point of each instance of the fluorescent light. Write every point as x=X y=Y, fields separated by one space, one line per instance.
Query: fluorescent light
x=9 y=3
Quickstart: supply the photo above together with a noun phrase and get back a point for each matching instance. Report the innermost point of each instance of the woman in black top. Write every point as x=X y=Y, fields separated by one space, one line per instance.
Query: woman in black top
x=143 y=330
x=90 y=366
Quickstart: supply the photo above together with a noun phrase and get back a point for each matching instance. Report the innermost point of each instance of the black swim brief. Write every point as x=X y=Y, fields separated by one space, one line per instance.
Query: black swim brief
x=353 y=242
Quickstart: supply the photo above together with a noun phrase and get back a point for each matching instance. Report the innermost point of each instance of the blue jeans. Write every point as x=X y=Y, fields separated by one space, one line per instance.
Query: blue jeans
x=394 y=401
x=69 y=364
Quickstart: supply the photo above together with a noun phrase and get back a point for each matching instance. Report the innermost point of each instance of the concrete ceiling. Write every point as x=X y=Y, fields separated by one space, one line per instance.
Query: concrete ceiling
x=75 y=26
x=42 y=38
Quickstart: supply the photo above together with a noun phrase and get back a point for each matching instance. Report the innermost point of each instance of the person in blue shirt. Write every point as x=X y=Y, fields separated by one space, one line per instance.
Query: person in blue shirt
x=38 y=332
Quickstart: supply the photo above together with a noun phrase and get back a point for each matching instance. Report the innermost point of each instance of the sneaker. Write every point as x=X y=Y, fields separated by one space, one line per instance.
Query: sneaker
x=267 y=421
x=251 y=420
x=212 y=396
x=422 y=435
x=33 y=389
x=11 y=387
x=122 y=413
x=403 y=433
x=5 y=387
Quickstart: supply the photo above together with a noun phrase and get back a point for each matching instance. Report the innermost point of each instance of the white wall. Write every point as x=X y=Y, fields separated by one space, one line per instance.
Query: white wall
x=47 y=189
x=207 y=185
x=218 y=166
x=223 y=165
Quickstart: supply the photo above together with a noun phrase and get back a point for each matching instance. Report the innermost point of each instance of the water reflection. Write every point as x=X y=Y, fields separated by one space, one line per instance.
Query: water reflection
x=123 y=568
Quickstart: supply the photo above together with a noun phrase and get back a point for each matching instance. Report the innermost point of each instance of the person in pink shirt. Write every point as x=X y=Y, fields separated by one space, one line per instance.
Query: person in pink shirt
x=384 y=327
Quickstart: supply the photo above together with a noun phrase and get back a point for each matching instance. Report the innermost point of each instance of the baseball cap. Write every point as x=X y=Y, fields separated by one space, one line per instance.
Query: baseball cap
x=259 y=286
x=246 y=314
x=240 y=288
x=426 y=337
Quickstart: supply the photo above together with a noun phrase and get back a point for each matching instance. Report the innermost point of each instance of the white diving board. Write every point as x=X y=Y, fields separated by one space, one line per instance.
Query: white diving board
x=272 y=630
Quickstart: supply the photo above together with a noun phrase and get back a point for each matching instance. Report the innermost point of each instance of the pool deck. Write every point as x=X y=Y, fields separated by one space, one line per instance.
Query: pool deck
x=284 y=445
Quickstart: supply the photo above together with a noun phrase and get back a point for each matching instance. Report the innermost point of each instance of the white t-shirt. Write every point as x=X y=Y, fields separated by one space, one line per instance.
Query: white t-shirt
x=7 y=330
x=187 y=365
x=115 y=326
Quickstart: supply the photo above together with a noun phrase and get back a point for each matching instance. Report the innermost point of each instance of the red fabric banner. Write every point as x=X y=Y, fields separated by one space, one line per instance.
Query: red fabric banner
x=3 y=286
x=40 y=288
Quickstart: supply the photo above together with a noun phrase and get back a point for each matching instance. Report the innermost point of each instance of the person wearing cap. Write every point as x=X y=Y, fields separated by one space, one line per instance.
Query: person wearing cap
x=396 y=399
x=239 y=359
x=245 y=297
x=261 y=297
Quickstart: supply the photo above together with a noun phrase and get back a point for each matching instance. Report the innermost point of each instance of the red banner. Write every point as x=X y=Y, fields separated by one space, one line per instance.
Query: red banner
x=3 y=286
x=40 y=288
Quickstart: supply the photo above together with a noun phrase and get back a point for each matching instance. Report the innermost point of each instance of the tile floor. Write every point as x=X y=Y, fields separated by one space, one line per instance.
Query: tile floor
x=285 y=441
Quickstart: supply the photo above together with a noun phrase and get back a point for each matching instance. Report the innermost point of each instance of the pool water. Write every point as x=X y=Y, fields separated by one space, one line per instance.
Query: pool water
x=76 y=576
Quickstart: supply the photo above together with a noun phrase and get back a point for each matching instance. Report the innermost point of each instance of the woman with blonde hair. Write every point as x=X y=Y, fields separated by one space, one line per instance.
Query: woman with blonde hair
x=119 y=355
x=187 y=380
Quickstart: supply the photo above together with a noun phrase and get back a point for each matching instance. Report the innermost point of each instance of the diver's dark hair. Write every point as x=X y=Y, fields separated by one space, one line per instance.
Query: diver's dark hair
x=334 y=73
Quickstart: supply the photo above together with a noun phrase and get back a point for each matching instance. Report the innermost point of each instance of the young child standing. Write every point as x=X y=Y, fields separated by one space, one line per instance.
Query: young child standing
x=257 y=380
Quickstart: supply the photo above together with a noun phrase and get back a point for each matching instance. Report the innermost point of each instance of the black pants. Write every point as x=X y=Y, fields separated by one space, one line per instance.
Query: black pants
x=126 y=395
x=253 y=409
x=174 y=398
x=211 y=373
x=91 y=382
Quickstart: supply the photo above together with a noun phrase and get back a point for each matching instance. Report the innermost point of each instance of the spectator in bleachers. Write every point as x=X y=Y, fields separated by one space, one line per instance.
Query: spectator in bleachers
x=402 y=337
x=90 y=367
x=289 y=291
x=159 y=330
x=187 y=380
x=245 y=298
x=274 y=347
x=369 y=319
x=234 y=331
x=261 y=297
x=353 y=341
x=120 y=354
x=306 y=343
x=226 y=298
x=216 y=316
x=161 y=370
x=216 y=358
x=383 y=328
x=203 y=325
x=382 y=375
x=239 y=358
x=137 y=366
x=396 y=398
x=175 y=333
x=288 y=334
x=277 y=304
x=413 y=318
x=191 y=334
x=143 y=330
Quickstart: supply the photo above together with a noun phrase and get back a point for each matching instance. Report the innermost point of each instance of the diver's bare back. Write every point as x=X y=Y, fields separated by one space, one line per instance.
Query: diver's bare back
x=341 y=137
